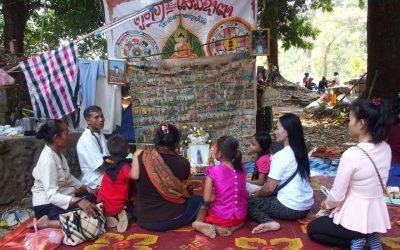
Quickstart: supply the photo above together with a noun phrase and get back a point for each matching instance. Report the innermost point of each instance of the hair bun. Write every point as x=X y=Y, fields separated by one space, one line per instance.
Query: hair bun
x=42 y=132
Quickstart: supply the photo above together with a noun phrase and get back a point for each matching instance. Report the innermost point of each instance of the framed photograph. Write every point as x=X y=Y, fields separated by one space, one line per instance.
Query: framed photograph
x=198 y=155
x=259 y=42
x=117 y=72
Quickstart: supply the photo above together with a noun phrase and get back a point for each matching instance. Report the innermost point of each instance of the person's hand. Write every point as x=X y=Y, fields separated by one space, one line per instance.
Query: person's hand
x=90 y=208
x=92 y=191
x=255 y=192
x=323 y=204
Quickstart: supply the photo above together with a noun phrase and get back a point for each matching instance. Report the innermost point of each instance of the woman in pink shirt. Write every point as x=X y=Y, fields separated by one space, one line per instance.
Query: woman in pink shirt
x=360 y=211
x=225 y=190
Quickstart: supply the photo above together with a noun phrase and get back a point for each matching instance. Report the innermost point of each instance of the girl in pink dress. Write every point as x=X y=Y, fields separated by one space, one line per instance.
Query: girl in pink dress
x=225 y=190
x=360 y=213
x=260 y=144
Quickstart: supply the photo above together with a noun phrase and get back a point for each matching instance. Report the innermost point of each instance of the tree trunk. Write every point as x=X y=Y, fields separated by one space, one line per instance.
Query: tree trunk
x=327 y=50
x=383 y=31
x=273 y=58
x=15 y=14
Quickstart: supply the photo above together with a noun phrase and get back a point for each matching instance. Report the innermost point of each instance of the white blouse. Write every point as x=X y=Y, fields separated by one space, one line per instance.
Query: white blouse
x=53 y=184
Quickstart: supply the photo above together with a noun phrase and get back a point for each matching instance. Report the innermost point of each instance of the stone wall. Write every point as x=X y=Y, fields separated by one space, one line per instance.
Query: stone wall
x=18 y=157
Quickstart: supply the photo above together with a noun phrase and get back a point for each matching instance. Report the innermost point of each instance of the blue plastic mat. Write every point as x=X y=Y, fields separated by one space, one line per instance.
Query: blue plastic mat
x=317 y=168
x=394 y=176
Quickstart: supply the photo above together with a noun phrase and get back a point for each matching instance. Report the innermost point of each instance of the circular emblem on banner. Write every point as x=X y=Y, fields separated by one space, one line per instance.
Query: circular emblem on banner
x=229 y=36
x=136 y=44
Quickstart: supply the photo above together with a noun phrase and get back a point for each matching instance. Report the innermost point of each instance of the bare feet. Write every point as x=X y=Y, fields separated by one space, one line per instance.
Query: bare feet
x=269 y=226
x=45 y=222
x=222 y=231
x=204 y=228
x=41 y=223
x=234 y=228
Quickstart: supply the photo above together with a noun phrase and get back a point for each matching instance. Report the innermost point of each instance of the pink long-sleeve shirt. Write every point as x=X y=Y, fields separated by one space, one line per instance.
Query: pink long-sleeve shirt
x=357 y=193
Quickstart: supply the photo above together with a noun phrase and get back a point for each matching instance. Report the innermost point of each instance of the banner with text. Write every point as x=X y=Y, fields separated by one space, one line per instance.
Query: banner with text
x=179 y=28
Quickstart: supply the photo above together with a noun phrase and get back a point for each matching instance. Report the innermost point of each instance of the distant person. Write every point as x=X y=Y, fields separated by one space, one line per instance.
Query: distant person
x=360 y=212
x=263 y=78
x=322 y=85
x=306 y=79
x=311 y=84
x=335 y=81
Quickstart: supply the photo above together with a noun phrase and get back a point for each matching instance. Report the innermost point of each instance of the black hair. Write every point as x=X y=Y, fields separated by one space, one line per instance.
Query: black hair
x=169 y=138
x=336 y=74
x=89 y=110
x=229 y=147
x=48 y=130
x=117 y=145
x=323 y=78
x=292 y=124
x=306 y=74
x=264 y=140
x=377 y=116
x=396 y=110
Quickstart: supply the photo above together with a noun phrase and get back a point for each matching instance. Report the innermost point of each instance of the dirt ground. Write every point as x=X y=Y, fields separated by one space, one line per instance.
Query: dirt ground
x=328 y=127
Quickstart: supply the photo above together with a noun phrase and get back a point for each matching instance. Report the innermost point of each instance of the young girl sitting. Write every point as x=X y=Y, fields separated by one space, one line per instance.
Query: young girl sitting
x=225 y=190
x=260 y=144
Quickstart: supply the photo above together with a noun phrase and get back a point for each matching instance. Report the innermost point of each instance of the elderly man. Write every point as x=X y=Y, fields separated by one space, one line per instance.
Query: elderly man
x=92 y=147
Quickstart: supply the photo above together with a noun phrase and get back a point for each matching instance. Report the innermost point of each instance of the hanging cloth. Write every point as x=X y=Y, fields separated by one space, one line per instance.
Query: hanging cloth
x=52 y=82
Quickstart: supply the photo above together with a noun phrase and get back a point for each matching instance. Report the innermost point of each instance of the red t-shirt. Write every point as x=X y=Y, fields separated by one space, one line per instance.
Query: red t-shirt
x=114 y=195
x=394 y=142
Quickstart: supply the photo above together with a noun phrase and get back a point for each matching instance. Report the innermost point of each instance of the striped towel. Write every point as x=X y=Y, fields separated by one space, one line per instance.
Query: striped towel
x=52 y=82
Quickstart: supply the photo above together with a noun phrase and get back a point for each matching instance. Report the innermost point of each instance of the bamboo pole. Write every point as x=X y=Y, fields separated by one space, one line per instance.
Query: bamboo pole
x=359 y=80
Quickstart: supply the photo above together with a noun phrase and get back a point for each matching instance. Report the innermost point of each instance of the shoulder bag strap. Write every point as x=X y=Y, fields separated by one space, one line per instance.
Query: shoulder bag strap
x=376 y=169
x=286 y=182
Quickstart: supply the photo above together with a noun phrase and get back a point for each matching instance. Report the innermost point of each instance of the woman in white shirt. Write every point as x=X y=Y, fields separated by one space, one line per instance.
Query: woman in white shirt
x=54 y=187
x=289 y=175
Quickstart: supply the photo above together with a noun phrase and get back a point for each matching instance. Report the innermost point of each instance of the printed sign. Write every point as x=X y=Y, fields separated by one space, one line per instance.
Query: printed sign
x=179 y=28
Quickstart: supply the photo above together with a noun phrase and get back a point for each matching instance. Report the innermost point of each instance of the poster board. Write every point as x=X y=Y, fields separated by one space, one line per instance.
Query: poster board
x=209 y=90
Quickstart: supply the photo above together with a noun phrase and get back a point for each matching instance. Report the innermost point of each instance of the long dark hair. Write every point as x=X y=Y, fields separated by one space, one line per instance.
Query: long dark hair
x=48 y=130
x=264 y=140
x=292 y=124
x=167 y=135
x=229 y=147
x=377 y=115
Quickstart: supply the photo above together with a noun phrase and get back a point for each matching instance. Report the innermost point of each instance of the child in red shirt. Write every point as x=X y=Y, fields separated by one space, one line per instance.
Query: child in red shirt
x=114 y=188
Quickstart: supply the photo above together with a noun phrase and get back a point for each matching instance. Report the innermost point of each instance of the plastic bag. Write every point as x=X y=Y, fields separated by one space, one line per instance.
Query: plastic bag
x=44 y=239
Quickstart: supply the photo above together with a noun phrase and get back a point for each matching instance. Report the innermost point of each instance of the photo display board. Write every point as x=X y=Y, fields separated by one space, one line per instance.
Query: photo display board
x=217 y=91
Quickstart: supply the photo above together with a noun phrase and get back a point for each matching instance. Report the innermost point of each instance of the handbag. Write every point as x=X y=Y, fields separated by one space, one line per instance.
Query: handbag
x=79 y=227
x=384 y=189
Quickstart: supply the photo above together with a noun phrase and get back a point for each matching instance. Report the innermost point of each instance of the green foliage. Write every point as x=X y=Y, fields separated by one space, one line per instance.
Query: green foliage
x=63 y=21
x=342 y=41
x=289 y=20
